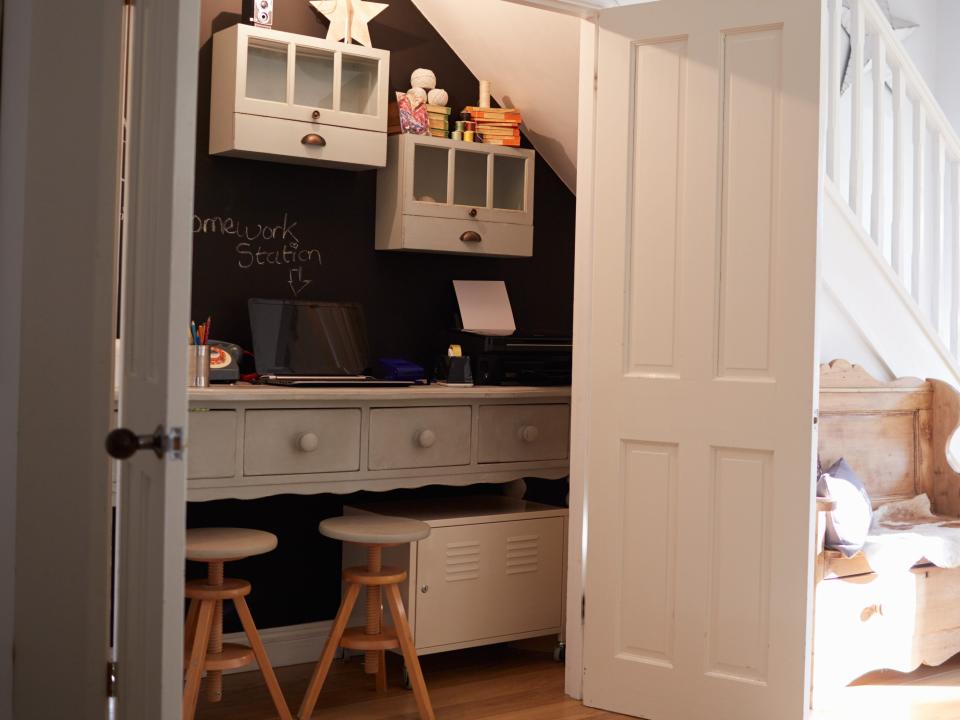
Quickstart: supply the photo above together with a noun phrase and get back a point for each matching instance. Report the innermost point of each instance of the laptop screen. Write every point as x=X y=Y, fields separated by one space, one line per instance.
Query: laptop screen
x=300 y=337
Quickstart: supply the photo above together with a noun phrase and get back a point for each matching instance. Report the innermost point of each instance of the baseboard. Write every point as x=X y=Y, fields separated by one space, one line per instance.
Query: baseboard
x=291 y=644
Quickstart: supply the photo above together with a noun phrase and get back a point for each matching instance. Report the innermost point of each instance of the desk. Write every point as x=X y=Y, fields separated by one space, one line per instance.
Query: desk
x=250 y=441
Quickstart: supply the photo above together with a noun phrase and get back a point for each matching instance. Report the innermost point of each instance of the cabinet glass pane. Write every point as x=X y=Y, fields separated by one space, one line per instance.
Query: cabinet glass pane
x=313 y=79
x=267 y=71
x=358 y=85
x=430 y=174
x=508 y=177
x=470 y=179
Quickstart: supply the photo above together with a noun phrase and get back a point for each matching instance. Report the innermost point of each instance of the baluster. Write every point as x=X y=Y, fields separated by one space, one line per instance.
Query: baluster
x=919 y=225
x=954 y=244
x=937 y=271
x=896 y=230
x=834 y=16
x=879 y=140
x=856 y=93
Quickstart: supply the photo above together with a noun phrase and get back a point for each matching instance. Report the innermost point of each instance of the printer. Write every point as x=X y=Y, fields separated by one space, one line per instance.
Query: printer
x=499 y=355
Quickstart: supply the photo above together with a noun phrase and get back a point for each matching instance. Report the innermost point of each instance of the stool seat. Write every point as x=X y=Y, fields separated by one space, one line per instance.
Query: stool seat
x=212 y=544
x=374 y=529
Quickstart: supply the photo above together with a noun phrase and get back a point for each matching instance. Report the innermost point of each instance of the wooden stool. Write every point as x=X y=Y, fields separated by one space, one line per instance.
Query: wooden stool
x=204 y=648
x=376 y=532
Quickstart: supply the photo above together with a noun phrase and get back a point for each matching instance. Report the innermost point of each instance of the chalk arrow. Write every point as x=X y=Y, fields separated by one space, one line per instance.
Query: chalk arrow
x=296 y=281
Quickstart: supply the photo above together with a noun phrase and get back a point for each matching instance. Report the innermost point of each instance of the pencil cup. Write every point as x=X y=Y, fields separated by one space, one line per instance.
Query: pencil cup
x=198 y=365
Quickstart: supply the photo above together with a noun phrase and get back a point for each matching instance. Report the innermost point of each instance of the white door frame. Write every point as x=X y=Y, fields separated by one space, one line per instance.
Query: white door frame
x=580 y=399
x=59 y=200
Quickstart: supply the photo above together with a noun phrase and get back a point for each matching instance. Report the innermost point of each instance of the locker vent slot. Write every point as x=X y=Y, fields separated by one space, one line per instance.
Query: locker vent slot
x=463 y=561
x=523 y=554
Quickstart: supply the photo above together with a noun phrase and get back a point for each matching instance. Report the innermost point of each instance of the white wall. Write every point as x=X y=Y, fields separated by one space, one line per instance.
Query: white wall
x=531 y=58
x=16 y=24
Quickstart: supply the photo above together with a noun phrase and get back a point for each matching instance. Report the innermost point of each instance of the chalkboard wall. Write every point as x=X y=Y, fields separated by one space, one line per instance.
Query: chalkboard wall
x=407 y=297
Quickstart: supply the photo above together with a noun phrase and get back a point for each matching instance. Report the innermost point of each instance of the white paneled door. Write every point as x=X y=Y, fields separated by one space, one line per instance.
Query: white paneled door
x=702 y=360
x=155 y=300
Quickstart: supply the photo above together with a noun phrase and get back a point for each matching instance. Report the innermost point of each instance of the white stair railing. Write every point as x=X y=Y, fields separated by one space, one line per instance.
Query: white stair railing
x=895 y=158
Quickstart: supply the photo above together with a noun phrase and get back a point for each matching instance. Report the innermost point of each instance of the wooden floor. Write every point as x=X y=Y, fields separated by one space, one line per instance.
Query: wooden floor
x=930 y=693
x=494 y=683
x=508 y=683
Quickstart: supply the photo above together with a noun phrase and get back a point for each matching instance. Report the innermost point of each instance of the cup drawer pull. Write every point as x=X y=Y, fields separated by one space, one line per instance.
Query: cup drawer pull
x=470 y=236
x=313 y=139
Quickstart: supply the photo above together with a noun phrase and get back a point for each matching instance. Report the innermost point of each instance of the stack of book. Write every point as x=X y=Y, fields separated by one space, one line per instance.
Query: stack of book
x=439 y=120
x=497 y=126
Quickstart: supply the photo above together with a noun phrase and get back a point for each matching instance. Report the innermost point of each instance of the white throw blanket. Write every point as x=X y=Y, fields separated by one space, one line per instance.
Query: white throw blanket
x=905 y=532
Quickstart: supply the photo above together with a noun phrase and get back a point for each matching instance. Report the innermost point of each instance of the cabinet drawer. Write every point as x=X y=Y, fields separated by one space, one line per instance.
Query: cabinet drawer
x=419 y=437
x=430 y=234
x=281 y=442
x=489 y=580
x=212 y=452
x=273 y=138
x=519 y=433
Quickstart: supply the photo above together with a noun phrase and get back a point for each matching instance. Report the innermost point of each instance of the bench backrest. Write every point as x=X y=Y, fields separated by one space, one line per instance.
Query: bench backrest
x=894 y=435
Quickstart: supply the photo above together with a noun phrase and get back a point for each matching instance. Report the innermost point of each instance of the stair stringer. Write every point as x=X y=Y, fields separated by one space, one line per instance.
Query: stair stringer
x=860 y=289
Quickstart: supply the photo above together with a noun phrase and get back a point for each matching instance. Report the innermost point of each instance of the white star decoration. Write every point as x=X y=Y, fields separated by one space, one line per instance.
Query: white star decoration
x=349 y=18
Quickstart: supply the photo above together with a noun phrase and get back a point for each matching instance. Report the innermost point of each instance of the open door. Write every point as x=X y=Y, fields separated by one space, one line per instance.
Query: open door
x=155 y=302
x=702 y=360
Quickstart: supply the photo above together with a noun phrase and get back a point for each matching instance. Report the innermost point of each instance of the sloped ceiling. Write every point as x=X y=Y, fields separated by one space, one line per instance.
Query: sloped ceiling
x=530 y=57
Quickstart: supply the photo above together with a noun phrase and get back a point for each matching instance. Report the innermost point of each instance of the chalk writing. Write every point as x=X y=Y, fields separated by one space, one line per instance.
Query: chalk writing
x=254 y=249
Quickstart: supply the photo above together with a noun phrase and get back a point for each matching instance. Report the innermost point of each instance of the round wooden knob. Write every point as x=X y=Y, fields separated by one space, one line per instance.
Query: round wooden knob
x=315 y=114
x=426 y=438
x=473 y=212
x=529 y=433
x=308 y=442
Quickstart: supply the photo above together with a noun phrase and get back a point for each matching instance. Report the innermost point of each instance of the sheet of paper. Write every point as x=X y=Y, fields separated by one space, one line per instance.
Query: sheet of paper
x=484 y=307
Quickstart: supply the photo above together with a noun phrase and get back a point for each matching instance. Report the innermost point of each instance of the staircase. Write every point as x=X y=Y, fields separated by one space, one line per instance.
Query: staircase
x=890 y=254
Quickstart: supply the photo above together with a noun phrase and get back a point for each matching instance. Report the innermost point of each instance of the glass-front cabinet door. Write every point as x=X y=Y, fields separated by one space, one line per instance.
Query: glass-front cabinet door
x=310 y=79
x=473 y=181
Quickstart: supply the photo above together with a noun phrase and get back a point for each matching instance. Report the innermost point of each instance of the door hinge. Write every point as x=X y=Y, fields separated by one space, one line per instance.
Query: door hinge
x=175 y=443
x=111 y=679
x=583 y=609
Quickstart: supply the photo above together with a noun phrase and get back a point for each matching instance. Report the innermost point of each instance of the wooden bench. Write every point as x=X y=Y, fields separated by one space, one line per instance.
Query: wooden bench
x=894 y=435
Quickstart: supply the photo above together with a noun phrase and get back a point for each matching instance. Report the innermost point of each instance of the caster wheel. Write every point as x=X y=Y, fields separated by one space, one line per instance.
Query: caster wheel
x=406 y=679
x=560 y=653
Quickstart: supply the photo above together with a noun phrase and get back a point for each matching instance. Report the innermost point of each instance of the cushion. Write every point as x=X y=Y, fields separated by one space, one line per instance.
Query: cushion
x=848 y=525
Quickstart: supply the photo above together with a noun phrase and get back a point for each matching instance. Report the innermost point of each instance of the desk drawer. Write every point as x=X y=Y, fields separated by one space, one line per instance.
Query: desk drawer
x=520 y=433
x=212 y=451
x=419 y=437
x=289 y=442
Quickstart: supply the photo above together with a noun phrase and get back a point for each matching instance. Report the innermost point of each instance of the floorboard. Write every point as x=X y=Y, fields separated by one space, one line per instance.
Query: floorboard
x=509 y=683
x=492 y=683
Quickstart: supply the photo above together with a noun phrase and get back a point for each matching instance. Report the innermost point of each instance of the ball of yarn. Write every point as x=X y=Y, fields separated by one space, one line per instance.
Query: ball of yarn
x=437 y=97
x=423 y=78
x=417 y=95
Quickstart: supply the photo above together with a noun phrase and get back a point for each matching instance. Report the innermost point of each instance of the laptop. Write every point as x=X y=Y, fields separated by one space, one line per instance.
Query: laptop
x=303 y=343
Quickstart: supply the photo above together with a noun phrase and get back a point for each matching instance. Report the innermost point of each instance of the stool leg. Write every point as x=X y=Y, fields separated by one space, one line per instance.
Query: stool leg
x=198 y=655
x=374 y=610
x=381 y=671
x=190 y=627
x=214 y=684
x=409 y=652
x=266 y=669
x=333 y=642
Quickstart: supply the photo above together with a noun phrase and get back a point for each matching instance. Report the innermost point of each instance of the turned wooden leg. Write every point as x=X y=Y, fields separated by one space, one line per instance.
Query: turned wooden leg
x=198 y=656
x=374 y=609
x=329 y=650
x=214 y=685
x=409 y=652
x=266 y=669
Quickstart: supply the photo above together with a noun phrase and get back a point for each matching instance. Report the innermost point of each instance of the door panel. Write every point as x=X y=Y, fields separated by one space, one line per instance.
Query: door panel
x=154 y=316
x=702 y=367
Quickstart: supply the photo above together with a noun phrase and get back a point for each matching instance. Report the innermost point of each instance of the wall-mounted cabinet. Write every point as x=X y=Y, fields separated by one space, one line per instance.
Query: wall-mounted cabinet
x=298 y=99
x=439 y=195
